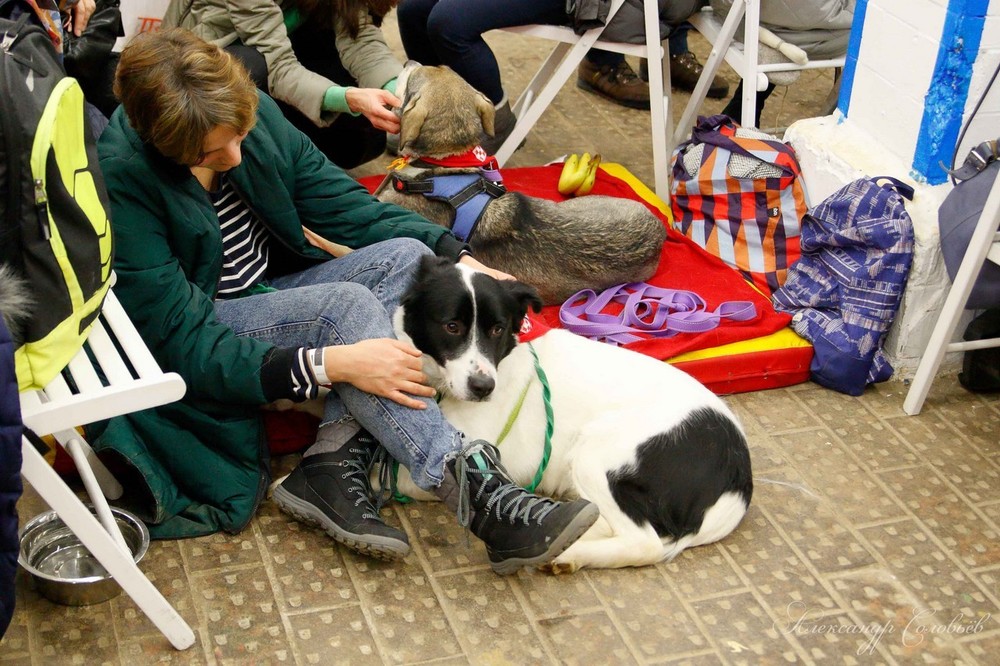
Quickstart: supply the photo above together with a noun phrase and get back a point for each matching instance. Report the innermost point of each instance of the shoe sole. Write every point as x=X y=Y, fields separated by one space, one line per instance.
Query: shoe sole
x=383 y=548
x=632 y=104
x=574 y=530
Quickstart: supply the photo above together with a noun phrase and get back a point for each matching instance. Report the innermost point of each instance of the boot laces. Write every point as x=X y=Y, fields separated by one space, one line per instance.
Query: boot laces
x=519 y=504
x=624 y=74
x=356 y=474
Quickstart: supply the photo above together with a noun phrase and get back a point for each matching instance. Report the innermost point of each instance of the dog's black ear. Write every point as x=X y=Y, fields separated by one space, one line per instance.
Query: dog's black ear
x=486 y=112
x=426 y=270
x=525 y=295
x=429 y=264
x=411 y=120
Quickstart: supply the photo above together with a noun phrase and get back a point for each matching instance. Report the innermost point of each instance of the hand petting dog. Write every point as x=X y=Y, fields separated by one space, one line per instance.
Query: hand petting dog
x=382 y=366
x=376 y=105
x=476 y=265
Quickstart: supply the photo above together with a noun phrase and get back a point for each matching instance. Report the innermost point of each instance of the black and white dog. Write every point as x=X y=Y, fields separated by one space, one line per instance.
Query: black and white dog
x=662 y=457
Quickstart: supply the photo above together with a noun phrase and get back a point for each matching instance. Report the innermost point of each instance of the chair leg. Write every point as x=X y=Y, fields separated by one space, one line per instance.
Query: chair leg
x=553 y=83
x=109 y=484
x=980 y=245
x=751 y=45
x=660 y=118
x=122 y=568
x=541 y=77
x=709 y=70
x=75 y=448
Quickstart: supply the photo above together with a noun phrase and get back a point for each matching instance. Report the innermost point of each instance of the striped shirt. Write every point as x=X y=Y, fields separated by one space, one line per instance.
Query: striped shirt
x=244 y=241
x=294 y=373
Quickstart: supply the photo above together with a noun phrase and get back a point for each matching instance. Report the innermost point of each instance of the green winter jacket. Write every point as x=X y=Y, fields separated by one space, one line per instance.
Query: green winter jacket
x=201 y=464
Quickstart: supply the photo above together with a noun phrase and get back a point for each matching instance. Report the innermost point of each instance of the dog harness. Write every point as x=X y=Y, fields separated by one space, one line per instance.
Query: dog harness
x=466 y=193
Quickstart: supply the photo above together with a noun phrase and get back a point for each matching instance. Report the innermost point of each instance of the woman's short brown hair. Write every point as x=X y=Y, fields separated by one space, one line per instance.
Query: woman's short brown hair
x=176 y=88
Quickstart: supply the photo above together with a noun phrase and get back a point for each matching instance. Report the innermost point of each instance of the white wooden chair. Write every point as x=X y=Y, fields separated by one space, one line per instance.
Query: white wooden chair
x=132 y=381
x=561 y=65
x=741 y=57
x=984 y=246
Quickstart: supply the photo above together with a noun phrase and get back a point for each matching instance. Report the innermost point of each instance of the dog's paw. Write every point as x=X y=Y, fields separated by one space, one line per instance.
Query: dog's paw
x=557 y=567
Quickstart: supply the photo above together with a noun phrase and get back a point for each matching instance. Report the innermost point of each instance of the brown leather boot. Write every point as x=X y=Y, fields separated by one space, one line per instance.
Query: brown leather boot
x=685 y=70
x=618 y=83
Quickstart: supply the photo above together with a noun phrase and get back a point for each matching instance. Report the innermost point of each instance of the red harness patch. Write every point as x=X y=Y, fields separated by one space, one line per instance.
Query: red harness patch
x=476 y=157
x=532 y=327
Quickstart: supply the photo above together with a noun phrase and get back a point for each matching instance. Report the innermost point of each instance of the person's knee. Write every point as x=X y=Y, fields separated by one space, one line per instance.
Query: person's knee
x=413 y=13
x=357 y=302
x=449 y=27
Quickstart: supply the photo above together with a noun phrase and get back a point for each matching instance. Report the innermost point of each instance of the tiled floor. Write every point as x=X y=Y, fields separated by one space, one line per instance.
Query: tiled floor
x=873 y=537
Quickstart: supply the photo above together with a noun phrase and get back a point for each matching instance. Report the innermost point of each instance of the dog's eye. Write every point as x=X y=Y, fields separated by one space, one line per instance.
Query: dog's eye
x=453 y=327
x=496 y=331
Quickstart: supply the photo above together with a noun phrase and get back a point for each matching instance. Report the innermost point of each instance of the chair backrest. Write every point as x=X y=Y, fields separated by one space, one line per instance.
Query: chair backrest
x=113 y=374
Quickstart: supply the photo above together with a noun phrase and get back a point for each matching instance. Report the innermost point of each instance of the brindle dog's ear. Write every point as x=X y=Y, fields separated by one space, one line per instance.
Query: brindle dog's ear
x=486 y=112
x=411 y=120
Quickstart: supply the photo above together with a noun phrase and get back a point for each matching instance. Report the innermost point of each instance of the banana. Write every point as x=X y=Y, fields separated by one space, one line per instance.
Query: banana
x=573 y=172
x=589 y=177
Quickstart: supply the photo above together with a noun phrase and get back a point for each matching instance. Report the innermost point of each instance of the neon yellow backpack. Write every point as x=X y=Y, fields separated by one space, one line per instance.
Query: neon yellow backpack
x=54 y=211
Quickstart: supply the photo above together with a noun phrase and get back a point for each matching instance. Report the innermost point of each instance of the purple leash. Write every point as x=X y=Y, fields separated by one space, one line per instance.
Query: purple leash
x=652 y=311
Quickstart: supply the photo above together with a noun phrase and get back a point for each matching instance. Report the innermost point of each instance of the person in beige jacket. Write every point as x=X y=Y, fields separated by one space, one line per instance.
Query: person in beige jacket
x=326 y=62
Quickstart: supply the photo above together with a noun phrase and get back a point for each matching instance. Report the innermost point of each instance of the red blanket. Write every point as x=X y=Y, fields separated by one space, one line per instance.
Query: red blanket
x=683 y=265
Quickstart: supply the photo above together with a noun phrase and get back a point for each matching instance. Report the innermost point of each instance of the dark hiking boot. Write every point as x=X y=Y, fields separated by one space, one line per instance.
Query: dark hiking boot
x=618 y=83
x=503 y=124
x=332 y=491
x=685 y=70
x=520 y=529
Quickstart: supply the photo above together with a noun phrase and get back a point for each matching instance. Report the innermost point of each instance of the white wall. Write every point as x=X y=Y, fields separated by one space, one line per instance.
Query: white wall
x=885 y=117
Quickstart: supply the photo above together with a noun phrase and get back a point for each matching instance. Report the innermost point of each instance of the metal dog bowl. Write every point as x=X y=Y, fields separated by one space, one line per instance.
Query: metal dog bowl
x=63 y=569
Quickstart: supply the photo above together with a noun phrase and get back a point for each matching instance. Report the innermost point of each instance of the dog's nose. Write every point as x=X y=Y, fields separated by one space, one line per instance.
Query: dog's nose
x=481 y=386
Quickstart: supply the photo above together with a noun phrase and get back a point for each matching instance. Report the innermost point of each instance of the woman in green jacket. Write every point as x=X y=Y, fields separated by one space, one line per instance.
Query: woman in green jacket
x=224 y=216
x=325 y=61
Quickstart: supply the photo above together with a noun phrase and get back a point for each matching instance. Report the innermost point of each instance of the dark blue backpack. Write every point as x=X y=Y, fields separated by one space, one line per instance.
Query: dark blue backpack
x=10 y=475
x=843 y=293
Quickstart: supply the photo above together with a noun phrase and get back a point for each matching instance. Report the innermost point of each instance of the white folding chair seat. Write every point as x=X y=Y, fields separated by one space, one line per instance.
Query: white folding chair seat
x=561 y=64
x=743 y=58
x=118 y=376
x=984 y=246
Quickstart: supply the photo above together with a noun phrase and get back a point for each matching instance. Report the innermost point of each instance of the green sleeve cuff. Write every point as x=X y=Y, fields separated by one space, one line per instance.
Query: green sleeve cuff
x=390 y=85
x=335 y=100
x=293 y=19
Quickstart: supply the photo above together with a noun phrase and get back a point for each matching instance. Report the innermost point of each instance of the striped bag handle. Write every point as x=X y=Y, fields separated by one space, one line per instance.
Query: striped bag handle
x=720 y=131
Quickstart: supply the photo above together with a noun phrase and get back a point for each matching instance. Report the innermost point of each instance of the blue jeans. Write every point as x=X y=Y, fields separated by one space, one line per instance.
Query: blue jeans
x=341 y=302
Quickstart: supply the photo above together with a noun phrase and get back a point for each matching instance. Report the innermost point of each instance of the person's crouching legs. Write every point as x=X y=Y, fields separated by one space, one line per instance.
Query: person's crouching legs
x=519 y=529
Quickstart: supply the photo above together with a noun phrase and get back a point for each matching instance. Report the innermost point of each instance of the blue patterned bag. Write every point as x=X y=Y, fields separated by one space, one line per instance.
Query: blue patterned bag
x=843 y=293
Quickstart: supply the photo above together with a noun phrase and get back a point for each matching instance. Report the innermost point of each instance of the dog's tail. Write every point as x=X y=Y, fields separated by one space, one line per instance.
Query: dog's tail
x=15 y=301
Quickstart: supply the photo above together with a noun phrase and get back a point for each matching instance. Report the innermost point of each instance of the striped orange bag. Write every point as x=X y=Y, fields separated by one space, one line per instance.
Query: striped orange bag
x=737 y=192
